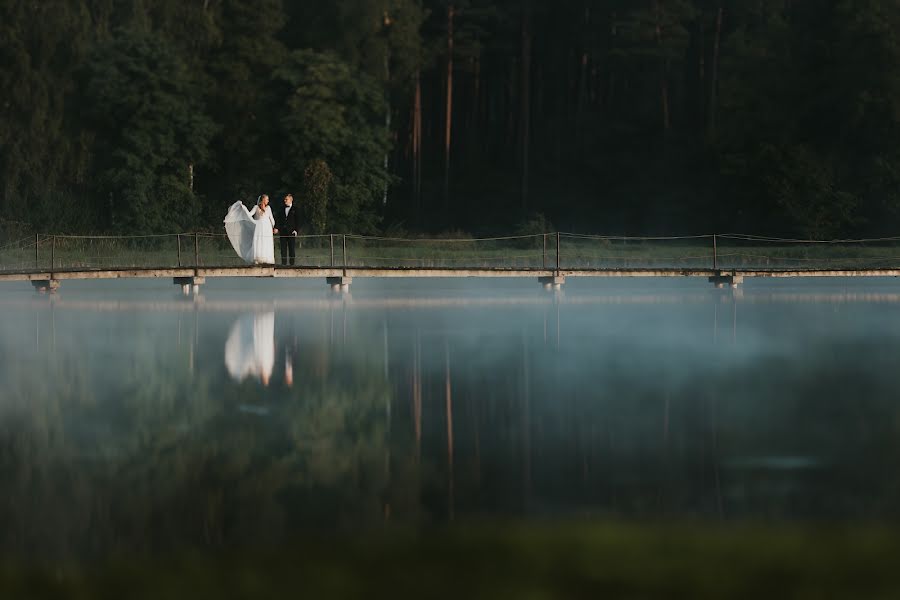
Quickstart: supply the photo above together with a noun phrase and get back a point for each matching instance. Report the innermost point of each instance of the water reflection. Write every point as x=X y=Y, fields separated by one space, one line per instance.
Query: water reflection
x=133 y=433
x=250 y=347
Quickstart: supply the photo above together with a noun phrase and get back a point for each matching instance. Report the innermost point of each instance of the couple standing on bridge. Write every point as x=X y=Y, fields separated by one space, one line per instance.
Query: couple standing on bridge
x=251 y=232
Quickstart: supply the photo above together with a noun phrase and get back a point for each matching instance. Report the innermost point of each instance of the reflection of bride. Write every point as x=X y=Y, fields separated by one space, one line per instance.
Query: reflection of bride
x=250 y=348
x=250 y=231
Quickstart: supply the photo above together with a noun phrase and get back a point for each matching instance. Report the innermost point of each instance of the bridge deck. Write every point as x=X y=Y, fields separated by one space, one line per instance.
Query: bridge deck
x=420 y=272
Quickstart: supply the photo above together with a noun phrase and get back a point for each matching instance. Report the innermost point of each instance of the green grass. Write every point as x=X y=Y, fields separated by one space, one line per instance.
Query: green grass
x=520 y=561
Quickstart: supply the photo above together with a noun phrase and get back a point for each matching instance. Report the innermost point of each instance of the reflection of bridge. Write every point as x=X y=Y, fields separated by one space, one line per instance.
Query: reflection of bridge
x=189 y=259
x=216 y=305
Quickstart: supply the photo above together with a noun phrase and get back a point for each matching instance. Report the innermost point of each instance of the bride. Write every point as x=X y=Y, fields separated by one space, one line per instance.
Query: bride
x=250 y=231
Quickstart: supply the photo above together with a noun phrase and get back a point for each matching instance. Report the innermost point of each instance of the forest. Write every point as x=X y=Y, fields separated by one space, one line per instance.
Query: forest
x=473 y=117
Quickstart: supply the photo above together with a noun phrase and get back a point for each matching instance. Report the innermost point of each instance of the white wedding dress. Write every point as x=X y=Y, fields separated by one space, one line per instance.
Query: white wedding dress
x=250 y=348
x=250 y=233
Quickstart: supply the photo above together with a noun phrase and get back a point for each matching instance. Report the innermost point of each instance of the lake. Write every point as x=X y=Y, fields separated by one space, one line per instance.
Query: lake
x=133 y=420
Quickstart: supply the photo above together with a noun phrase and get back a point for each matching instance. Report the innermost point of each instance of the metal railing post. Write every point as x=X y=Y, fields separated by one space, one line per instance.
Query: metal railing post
x=344 y=249
x=331 y=243
x=544 y=253
x=557 y=252
x=37 y=256
x=52 y=252
x=196 y=249
x=715 y=253
x=178 y=237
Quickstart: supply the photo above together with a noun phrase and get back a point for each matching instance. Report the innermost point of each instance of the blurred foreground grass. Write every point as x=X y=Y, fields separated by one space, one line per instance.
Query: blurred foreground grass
x=543 y=561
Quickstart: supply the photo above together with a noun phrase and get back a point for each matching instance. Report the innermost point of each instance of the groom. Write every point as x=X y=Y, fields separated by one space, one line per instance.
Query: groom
x=287 y=224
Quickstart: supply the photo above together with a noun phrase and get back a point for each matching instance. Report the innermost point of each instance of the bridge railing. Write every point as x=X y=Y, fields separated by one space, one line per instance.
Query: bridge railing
x=578 y=251
x=564 y=251
x=741 y=251
x=519 y=251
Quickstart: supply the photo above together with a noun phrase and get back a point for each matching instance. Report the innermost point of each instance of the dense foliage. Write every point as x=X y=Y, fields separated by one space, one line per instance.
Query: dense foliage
x=613 y=116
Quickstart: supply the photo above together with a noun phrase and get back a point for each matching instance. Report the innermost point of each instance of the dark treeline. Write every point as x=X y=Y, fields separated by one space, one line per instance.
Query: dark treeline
x=612 y=116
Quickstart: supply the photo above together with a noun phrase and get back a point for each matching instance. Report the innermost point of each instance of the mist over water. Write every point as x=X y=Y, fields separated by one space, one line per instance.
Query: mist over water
x=134 y=420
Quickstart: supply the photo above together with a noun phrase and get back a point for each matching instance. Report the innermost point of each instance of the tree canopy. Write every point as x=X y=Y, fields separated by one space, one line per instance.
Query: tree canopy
x=608 y=116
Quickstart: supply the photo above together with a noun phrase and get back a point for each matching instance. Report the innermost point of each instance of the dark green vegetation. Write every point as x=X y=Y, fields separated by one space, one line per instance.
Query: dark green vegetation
x=610 y=116
x=560 y=561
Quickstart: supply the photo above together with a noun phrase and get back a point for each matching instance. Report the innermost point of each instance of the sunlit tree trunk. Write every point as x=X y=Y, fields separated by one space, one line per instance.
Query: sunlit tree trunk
x=387 y=116
x=417 y=148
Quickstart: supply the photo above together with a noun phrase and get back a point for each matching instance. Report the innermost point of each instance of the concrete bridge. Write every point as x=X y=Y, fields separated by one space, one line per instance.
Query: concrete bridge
x=189 y=259
x=339 y=279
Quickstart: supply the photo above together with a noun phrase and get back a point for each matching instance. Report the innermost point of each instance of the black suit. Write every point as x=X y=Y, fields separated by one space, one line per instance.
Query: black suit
x=286 y=226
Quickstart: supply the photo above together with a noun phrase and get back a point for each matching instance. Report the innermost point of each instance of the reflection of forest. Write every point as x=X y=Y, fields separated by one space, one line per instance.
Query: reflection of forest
x=128 y=433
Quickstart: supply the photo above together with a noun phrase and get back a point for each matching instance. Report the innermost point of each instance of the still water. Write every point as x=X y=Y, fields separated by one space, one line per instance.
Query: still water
x=132 y=420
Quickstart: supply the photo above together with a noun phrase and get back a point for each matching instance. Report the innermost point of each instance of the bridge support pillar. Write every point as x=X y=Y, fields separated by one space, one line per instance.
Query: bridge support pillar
x=552 y=282
x=339 y=284
x=189 y=285
x=720 y=280
x=43 y=286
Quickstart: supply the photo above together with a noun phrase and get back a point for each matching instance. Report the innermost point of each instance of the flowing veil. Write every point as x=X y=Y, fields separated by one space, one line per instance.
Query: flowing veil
x=240 y=227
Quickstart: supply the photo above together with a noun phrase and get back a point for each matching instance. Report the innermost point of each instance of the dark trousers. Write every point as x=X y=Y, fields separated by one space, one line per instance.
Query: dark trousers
x=288 y=249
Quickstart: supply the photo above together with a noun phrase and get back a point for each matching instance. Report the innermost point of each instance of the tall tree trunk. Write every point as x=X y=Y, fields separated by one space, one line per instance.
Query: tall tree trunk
x=387 y=118
x=448 y=106
x=417 y=148
x=714 y=78
x=525 y=97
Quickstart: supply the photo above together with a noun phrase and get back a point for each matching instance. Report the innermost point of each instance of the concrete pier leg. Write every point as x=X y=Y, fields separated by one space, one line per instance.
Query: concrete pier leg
x=720 y=280
x=189 y=285
x=44 y=286
x=553 y=282
x=339 y=284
